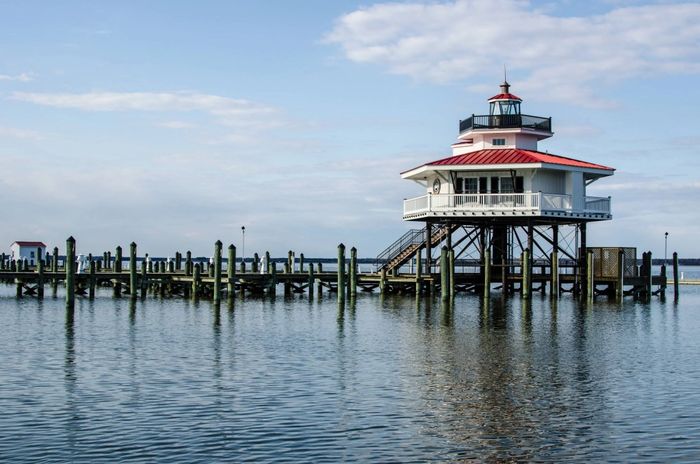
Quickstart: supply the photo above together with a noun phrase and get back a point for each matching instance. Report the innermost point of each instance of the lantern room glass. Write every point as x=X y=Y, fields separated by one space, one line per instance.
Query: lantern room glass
x=505 y=107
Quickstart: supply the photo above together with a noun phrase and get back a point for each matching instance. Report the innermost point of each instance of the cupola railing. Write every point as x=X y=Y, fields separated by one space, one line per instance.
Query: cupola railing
x=505 y=121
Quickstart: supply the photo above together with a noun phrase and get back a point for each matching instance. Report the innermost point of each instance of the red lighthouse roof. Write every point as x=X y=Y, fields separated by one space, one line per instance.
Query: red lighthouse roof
x=512 y=156
x=505 y=96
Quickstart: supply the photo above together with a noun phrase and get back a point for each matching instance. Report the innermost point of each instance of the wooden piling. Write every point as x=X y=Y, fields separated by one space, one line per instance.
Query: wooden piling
x=419 y=264
x=273 y=280
x=145 y=265
x=40 y=278
x=188 y=263
x=590 y=278
x=487 y=274
x=109 y=260
x=290 y=261
x=92 y=283
x=312 y=279
x=231 y=270
x=444 y=274
x=676 y=284
x=451 y=266
x=648 y=277
x=620 y=284
x=353 y=271
x=341 y=273
x=662 y=288
x=132 y=270
x=268 y=263
x=217 y=271
x=554 y=274
x=196 y=279
x=255 y=264
x=301 y=263
x=382 y=281
x=70 y=273
x=526 y=284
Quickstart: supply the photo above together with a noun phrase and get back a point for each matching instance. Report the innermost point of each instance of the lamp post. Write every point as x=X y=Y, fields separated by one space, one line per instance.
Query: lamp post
x=665 y=246
x=243 y=244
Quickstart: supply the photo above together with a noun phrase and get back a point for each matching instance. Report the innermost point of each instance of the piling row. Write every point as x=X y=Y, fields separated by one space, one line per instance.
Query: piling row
x=208 y=279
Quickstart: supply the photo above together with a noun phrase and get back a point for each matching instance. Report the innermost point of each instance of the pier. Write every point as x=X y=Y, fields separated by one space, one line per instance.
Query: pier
x=218 y=278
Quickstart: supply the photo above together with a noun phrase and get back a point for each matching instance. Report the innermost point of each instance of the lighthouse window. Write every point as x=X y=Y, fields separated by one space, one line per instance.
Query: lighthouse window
x=506 y=185
x=498 y=142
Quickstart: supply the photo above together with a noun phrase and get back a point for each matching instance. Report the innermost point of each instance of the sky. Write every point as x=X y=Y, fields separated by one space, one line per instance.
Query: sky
x=175 y=123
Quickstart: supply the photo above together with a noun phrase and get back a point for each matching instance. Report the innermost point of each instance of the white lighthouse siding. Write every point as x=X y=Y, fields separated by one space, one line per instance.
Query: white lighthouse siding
x=513 y=138
x=549 y=181
x=576 y=188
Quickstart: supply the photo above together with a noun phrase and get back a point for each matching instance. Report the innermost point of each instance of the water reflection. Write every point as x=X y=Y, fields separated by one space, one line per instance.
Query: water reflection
x=72 y=418
x=468 y=379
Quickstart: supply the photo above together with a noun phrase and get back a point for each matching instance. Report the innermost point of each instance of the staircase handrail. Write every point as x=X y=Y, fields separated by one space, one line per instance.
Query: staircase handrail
x=411 y=237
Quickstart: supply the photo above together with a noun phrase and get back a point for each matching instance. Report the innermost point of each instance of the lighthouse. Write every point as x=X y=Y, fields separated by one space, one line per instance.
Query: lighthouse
x=497 y=195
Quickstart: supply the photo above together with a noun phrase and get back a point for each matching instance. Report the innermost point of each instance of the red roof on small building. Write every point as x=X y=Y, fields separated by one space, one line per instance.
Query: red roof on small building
x=31 y=244
x=512 y=156
x=505 y=96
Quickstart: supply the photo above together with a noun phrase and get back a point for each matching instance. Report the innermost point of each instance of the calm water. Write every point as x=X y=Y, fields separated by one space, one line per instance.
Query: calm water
x=382 y=380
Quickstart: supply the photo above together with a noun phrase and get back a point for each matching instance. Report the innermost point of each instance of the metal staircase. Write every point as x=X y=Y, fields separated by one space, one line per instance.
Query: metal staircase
x=402 y=250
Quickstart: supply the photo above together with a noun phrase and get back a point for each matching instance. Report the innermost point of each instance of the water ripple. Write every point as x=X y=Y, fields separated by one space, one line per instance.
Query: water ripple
x=391 y=379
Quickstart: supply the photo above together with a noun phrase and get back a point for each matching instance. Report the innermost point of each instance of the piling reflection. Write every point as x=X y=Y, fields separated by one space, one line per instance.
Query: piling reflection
x=72 y=422
x=446 y=310
x=216 y=344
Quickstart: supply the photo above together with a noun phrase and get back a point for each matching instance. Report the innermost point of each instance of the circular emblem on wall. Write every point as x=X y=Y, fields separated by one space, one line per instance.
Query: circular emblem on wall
x=436 y=186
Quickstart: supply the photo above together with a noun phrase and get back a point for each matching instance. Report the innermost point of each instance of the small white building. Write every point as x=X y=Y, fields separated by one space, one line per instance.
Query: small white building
x=31 y=251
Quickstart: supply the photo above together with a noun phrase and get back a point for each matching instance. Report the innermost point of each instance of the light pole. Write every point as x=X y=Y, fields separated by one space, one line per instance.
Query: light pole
x=665 y=246
x=243 y=244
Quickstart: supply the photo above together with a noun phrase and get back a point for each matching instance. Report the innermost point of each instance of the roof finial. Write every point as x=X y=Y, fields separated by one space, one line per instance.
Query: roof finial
x=505 y=87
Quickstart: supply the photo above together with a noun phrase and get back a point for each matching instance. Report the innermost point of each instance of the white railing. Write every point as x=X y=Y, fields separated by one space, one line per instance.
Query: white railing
x=482 y=202
x=471 y=202
x=598 y=205
x=416 y=205
x=556 y=202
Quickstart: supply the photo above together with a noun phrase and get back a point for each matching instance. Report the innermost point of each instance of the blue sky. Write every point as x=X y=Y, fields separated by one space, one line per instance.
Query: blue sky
x=174 y=123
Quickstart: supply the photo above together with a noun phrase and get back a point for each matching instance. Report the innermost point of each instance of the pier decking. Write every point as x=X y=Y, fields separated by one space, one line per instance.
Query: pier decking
x=137 y=277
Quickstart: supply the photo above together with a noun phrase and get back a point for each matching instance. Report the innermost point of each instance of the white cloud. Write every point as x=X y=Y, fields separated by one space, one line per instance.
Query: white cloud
x=562 y=58
x=176 y=125
x=24 y=77
x=13 y=132
x=236 y=113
